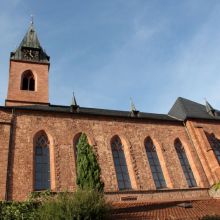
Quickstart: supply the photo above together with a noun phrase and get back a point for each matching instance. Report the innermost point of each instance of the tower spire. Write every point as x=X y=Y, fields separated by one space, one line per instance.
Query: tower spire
x=30 y=48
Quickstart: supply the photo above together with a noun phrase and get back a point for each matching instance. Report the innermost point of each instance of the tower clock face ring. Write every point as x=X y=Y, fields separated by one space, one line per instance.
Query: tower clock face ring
x=30 y=54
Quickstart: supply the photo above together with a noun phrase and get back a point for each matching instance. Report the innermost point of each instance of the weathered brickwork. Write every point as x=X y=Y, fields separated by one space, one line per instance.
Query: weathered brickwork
x=62 y=129
x=198 y=130
x=5 y=120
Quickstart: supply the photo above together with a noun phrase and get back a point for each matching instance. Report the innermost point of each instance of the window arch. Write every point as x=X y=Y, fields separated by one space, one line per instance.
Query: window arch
x=154 y=164
x=215 y=144
x=28 y=81
x=121 y=168
x=185 y=163
x=75 y=143
x=42 y=162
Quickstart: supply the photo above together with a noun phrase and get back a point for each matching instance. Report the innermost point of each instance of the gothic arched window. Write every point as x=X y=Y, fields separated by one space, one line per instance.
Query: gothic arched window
x=28 y=81
x=42 y=162
x=185 y=163
x=215 y=144
x=75 y=143
x=120 y=164
x=154 y=164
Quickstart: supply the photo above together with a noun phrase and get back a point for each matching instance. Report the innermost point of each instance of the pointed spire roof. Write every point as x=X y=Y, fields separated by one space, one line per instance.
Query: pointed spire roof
x=74 y=100
x=74 y=106
x=209 y=108
x=132 y=105
x=30 y=41
x=134 y=111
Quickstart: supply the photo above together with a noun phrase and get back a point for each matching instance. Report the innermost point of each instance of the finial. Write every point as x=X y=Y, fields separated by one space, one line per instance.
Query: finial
x=32 y=19
x=132 y=105
x=74 y=100
x=210 y=109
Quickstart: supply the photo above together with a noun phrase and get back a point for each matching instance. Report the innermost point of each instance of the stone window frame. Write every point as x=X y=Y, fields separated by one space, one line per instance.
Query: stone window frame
x=31 y=81
x=52 y=152
x=185 y=164
x=37 y=137
x=121 y=163
x=215 y=145
x=155 y=165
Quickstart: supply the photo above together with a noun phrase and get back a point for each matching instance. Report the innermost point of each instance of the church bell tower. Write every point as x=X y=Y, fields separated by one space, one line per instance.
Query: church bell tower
x=28 y=73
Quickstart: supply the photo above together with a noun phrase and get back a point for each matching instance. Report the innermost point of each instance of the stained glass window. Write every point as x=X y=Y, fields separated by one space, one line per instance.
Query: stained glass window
x=185 y=163
x=42 y=163
x=154 y=164
x=120 y=164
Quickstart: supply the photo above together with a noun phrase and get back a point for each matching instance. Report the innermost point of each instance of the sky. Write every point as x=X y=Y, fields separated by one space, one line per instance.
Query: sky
x=107 y=51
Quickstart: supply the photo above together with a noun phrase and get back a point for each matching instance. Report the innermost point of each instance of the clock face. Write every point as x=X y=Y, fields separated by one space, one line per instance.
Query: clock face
x=30 y=54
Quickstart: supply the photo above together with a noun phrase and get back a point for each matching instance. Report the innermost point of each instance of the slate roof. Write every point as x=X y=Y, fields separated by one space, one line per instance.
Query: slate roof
x=31 y=41
x=184 y=108
x=93 y=111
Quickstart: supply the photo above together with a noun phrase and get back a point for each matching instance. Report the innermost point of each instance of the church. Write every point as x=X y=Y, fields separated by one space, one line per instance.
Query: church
x=143 y=156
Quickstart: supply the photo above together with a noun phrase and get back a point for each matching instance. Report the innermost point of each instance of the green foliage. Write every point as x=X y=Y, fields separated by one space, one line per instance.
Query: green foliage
x=88 y=170
x=217 y=186
x=39 y=196
x=83 y=204
x=18 y=211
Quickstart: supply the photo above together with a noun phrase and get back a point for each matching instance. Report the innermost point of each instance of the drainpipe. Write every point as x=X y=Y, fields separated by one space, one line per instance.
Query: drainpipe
x=10 y=146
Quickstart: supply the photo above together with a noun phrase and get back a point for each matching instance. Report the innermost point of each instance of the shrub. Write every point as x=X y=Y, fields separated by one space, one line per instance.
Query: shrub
x=216 y=186
x=83 y=204
x=18 y=211
x=88 y=169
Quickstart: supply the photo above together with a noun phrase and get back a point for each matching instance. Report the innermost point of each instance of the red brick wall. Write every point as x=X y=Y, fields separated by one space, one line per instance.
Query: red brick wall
x=197 y=130
x=5 y=120
x=15 y=93
x=62 y=129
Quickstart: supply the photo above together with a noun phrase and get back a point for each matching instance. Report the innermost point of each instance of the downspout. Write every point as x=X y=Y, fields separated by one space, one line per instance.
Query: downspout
x=10 y=147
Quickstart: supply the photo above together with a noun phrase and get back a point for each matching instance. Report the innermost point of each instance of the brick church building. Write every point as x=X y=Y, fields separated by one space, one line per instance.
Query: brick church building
x=143 y=156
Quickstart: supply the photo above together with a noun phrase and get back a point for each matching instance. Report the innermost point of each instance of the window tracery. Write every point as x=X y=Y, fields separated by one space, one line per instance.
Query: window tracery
x=154 y=164
x=28 y=81
x=120 y=164
x=185 y=163
x=42 y=163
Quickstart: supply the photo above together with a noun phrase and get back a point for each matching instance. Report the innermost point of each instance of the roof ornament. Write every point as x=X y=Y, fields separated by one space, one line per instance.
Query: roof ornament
x=134 y=111
x=32 y=19
x=74 y=105
x=210 y=109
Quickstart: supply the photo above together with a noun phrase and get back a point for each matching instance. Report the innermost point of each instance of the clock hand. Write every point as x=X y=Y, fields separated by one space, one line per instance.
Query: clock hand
x=30 y=53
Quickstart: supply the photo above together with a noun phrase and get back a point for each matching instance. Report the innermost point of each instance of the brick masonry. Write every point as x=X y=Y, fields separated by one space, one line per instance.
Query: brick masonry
x=63 y=128
x=19 y=128
x=16 y=96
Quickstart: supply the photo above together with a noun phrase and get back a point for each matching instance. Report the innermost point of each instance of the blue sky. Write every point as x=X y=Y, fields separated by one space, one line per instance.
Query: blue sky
x=110 y=50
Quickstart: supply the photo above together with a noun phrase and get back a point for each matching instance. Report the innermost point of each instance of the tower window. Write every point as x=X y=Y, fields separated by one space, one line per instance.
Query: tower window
x=154 y=164
x=28 y=81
